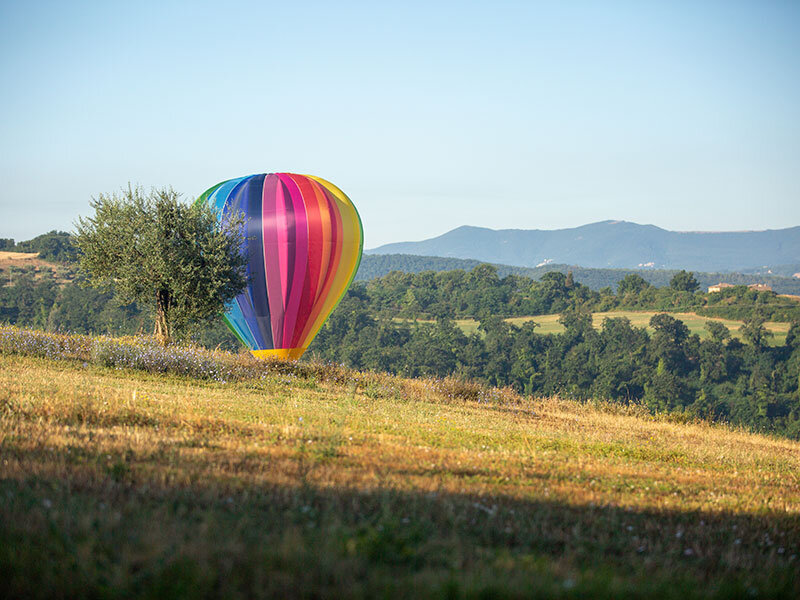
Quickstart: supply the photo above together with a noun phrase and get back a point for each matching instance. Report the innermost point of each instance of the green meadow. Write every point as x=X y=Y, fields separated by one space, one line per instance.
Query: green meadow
x=316 y=482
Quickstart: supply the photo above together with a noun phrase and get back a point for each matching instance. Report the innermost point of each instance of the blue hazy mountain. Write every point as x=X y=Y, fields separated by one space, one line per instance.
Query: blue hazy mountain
x=613 y=244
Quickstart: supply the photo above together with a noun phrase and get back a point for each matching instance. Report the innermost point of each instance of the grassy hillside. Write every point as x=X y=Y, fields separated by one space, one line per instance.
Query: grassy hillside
x=317 y=482
x=19 y=262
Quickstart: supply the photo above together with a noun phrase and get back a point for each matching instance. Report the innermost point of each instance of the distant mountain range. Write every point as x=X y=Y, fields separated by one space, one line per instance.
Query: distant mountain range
x=615 y=244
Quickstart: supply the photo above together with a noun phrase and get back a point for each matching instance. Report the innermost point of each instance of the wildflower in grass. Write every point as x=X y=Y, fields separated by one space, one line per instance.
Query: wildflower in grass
x=14 y=340
x=145 y=354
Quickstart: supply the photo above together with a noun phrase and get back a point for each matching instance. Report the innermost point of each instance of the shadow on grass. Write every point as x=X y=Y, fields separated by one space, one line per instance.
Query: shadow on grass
x=137 y=537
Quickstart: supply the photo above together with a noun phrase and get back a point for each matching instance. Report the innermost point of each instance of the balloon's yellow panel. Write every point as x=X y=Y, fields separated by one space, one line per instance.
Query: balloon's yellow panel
x=279 y=353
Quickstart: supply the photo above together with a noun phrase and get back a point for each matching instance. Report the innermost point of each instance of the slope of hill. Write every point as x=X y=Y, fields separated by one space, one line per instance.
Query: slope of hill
x=378 y=265
x=615 y=244
x=12 y=263
x=121 y=483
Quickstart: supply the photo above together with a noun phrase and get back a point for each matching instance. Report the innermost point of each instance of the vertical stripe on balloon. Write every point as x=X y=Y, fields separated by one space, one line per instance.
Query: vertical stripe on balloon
x=315 y=245
x=298 y=257
x=271 y=225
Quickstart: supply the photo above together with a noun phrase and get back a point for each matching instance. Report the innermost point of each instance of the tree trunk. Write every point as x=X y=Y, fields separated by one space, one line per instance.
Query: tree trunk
x=162 y=333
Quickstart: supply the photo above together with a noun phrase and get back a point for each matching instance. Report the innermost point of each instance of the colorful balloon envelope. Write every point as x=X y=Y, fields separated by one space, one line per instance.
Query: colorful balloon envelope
x=303 y=245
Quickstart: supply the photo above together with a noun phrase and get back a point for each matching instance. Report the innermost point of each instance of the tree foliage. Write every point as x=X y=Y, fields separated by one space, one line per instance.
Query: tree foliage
x=684 y=282
x=632 y=284
x=718 y=331
x=155 y=250
x=379 y=265
x=753 y=330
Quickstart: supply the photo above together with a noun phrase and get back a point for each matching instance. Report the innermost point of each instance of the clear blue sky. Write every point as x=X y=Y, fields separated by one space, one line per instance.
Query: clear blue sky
x=430 y=116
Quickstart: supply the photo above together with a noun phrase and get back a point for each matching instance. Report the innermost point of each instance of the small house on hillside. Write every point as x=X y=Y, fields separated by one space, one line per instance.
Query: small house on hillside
x=760 y=287
x=719 y=287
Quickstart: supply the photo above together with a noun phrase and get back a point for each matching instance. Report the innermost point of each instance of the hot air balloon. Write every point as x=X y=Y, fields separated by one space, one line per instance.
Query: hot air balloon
x=303 y=245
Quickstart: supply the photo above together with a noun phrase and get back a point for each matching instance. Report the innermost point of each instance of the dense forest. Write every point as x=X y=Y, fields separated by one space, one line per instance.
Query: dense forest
x=482 y=292
x=404 y=323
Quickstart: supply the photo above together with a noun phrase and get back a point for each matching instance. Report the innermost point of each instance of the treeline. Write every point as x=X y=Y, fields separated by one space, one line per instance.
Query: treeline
x=378 y=265
x=482 y=292
x=721 y=379
x=54 y=246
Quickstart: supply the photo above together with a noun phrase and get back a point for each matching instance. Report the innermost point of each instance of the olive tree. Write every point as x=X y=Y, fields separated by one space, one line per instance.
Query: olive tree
x=155 y=250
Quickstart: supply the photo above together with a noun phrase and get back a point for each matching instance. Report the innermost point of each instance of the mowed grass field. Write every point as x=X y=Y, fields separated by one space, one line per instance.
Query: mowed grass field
x=115 y=483
x=548 y=324
x=695 y=323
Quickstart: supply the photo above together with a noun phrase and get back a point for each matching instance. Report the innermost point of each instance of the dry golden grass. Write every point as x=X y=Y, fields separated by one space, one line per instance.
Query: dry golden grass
x=123 y=483
x=30 y=260
x=17 y=256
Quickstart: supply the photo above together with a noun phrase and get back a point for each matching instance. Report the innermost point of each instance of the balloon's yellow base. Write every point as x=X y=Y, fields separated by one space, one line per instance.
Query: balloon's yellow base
x=279 y=353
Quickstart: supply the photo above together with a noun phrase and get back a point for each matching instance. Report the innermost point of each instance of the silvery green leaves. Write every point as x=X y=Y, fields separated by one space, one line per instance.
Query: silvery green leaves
x=173 y=257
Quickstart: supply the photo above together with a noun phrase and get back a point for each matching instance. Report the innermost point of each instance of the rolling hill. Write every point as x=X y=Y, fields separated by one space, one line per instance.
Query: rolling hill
x=312 y=482
x=613 y=244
